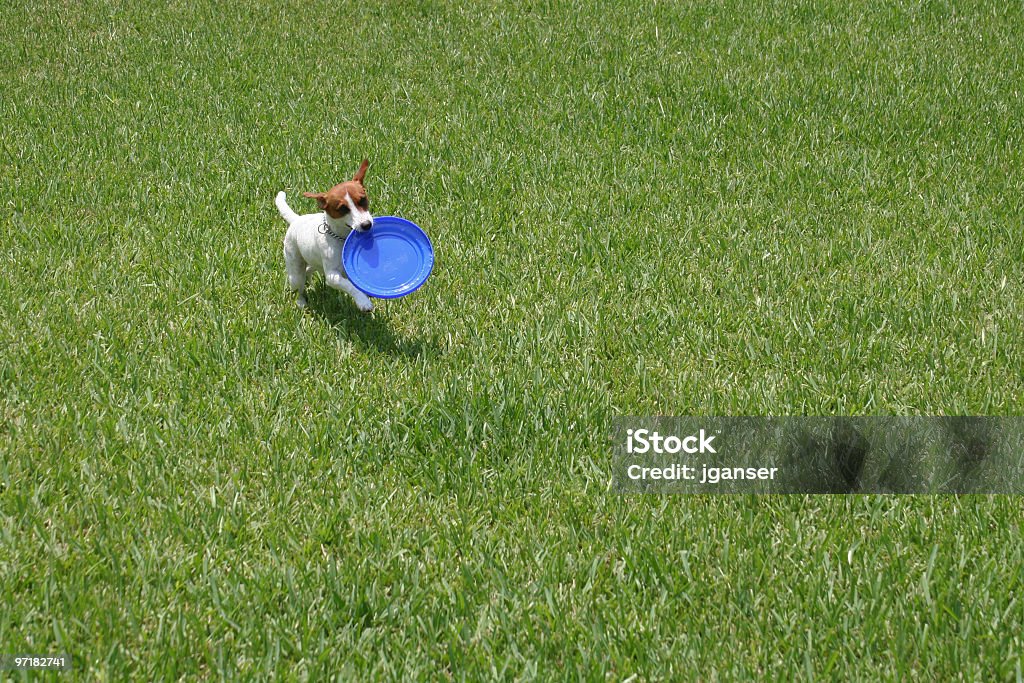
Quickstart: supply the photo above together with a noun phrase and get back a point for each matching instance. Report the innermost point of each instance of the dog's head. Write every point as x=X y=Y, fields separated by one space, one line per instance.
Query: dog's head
x=347 y=200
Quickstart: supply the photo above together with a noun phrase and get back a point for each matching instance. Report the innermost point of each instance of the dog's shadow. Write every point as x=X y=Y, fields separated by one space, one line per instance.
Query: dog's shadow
x=367 y=330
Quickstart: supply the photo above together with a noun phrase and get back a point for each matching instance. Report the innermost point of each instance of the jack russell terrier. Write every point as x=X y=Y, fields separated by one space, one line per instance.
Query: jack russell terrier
x=314 y=241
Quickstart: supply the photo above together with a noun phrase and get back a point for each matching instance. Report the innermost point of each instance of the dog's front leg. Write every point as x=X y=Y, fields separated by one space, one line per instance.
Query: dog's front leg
x=338 y=281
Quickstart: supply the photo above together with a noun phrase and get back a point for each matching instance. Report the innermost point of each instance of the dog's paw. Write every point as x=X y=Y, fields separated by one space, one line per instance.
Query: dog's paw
x=301 y=301
x=364 y=304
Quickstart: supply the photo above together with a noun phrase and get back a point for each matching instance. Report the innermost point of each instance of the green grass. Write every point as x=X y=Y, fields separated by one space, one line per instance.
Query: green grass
x=638 y=208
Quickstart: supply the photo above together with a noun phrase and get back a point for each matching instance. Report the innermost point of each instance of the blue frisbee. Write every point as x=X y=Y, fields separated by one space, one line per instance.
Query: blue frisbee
x=391 y=259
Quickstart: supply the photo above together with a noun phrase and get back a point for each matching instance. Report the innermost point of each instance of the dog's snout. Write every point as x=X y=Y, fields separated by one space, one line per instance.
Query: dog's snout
x=366 y=225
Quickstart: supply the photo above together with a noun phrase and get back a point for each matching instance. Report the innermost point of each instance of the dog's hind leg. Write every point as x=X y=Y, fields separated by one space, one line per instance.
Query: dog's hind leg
x=297 y=271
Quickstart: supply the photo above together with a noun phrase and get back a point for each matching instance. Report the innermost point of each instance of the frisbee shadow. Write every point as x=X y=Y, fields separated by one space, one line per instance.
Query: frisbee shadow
x=367 y=330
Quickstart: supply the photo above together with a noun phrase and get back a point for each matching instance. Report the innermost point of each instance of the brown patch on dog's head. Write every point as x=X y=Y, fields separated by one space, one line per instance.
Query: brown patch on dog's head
x=333 y=201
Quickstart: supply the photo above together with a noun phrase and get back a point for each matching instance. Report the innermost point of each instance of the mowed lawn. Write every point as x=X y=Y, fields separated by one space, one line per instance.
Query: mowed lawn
x=718 y=208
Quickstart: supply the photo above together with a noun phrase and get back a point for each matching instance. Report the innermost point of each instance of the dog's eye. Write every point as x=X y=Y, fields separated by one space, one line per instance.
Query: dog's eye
x=342 y=210
x=363 y=203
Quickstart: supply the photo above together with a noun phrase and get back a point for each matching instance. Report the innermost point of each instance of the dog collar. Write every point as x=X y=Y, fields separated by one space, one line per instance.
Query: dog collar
x=326 y=230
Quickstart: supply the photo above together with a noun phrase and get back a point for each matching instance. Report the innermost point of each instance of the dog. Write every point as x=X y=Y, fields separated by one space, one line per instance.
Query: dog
x=314 y=241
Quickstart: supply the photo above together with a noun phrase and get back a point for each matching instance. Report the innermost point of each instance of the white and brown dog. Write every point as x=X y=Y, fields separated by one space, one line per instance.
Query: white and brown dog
x=314 y=241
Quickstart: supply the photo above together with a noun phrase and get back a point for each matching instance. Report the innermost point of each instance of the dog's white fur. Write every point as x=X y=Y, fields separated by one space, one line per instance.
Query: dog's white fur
x=307 y=249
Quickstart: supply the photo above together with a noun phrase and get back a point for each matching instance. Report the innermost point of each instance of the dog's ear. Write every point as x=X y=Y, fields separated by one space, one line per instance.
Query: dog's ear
x=361 y=173
x=320 y=197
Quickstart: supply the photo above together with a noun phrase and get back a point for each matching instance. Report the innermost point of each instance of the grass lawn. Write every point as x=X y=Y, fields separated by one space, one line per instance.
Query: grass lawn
x=638 y=208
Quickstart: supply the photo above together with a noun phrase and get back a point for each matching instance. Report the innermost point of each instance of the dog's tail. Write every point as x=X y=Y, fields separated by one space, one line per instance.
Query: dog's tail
x=286 y=211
